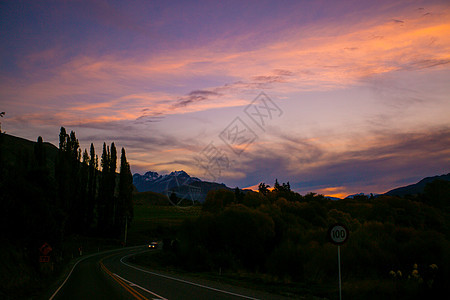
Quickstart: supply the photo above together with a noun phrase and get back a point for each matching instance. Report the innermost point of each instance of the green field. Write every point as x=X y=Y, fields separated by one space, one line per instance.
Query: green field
x=156 y=221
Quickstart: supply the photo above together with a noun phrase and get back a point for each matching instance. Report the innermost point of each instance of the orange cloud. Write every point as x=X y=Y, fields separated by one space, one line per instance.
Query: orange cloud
x=317 y=57
x=338 y=192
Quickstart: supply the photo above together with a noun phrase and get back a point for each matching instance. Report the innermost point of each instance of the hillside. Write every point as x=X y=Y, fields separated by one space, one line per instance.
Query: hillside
x=150 y=198
x=416 y=188
x=16 y=152
x=79 y=203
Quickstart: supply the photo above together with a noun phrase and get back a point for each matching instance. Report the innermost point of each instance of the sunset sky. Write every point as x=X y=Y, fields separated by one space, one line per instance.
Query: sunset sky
x=336 y=97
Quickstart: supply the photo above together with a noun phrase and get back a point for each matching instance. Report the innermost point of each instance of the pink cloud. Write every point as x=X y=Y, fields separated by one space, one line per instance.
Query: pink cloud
x=316 y=61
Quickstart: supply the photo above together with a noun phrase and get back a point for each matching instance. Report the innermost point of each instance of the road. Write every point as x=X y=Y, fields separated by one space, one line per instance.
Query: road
x=109 y=275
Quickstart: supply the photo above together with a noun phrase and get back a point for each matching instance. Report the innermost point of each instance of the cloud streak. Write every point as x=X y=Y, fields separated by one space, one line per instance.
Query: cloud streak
x=107 y=77
x=147 y=77
x=372 y=164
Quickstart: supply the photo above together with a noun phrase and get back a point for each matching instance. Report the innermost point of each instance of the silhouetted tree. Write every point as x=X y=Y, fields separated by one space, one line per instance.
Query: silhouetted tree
x=62 y=175
x=173 y=198
x=83 y=193
x=112 y=199
x=39 y=153
x=107 y=202
x=437 y=193
x=254 y=199
x=1 y=115
x=264 y=188
x=286 y=187
x=92 y=187
x=103 y=190
x=125 y=200
x=76 y=205
x=276 y=186
x=216 y=200
x=238 y=195
x=39 y=173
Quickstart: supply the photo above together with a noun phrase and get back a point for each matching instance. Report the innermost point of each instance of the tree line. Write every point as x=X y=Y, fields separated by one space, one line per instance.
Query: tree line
x=93 y=199
x=47 y=194
x=282 y=235
x=62 y=196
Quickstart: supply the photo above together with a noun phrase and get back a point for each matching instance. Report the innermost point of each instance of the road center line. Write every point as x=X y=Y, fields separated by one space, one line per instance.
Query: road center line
x=124 y=284
x=182 y=280
x=142 y=288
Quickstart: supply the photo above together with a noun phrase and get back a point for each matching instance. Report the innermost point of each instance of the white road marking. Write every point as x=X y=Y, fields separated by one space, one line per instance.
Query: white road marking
x=181 y=280
x=67 y=278
x=73 y=268
x=142 y=288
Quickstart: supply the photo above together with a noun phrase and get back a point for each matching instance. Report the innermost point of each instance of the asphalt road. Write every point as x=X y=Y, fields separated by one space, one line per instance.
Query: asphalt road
x=109 y=275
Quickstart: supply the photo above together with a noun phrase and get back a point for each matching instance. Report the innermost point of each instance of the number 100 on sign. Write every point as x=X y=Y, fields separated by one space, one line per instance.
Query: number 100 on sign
x=338 y=234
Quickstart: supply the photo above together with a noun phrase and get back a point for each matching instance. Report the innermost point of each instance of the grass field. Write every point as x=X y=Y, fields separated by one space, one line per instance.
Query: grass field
x=157 y=221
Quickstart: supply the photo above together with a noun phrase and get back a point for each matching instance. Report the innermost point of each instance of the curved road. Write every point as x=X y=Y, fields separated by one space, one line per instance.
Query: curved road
x=109 y=275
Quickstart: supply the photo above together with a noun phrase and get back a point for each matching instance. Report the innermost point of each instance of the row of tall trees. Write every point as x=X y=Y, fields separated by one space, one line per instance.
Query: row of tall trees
x=53 y=194
x=93 y=199
x=49 y=193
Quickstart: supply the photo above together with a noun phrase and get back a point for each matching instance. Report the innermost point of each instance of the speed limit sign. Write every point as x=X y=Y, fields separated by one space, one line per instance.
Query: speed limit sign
x=338 y=234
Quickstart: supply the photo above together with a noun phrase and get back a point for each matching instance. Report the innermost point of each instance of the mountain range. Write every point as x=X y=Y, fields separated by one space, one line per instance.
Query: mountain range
x=194 y=189
x=177 y=182
x=412 y=189
x=361 y=194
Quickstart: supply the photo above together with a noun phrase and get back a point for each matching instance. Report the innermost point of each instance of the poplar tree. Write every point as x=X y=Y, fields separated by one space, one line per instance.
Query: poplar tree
x=39 y=153
x=61 y=172
x=125 y=192
x=39 y=173
x=68 y=179
x=111 y=200
x=82 y=203
x=103 y=188
x=92 y=187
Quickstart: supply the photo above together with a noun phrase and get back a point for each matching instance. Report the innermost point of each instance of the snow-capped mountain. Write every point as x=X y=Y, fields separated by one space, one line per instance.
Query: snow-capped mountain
x=152 y=181
x=178 y=182
x=361 y=195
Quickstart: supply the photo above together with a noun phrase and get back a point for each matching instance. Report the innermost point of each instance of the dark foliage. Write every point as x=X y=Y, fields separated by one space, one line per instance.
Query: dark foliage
x=49 y=193
x=283 y=234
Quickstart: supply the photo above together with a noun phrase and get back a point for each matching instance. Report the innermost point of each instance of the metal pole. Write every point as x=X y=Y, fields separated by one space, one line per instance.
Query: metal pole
x=339 y=267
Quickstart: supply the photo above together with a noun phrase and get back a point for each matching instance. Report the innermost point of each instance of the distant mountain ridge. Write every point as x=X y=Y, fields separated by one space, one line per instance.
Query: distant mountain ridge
x=416 y=188
x=361 y=195
x=179 y=182
x=152 y=181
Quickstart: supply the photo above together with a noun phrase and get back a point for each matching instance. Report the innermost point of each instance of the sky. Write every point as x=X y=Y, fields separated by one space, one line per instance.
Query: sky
x=336 y=97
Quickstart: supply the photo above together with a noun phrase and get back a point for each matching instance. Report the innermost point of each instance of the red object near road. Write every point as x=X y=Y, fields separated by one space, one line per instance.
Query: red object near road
x=44 y=259
x=45 y=249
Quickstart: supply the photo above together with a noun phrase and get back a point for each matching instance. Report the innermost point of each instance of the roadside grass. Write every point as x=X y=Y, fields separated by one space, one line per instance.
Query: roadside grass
x=23 y=277
x=352 y=288
x=38 y=281
x=157 y=221
x=159 y=261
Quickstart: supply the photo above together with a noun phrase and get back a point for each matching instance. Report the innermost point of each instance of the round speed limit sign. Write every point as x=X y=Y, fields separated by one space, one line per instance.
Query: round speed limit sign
x=338 y=234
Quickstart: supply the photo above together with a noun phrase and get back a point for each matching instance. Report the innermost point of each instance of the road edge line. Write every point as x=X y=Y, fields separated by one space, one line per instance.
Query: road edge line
x=184 y=281
x=80 y=260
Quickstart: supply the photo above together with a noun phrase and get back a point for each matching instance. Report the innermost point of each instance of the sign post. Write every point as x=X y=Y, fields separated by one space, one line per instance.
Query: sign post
x=45 y=249
x=338 y=235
